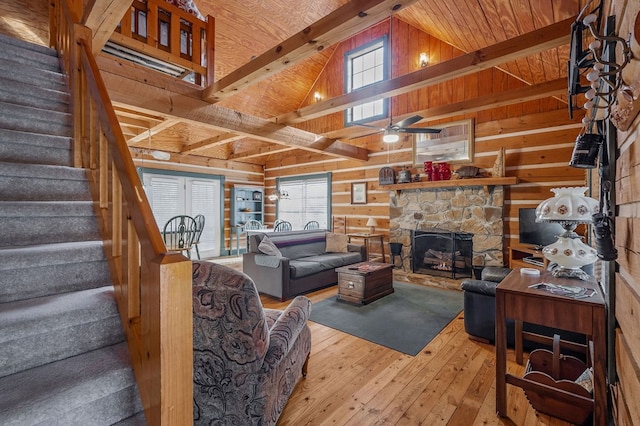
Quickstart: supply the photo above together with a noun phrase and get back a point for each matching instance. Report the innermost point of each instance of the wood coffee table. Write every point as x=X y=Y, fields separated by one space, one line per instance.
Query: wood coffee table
x=364 y=282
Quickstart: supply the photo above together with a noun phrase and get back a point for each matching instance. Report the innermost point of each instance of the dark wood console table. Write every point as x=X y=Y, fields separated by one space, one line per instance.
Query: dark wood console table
x=516 y=300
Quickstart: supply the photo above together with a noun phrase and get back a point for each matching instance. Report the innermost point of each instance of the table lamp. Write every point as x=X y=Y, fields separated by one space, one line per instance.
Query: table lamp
x=569 y=207
x=371 y=223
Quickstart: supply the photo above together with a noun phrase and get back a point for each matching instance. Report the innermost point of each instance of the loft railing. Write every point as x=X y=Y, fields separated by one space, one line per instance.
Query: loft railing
x=152 y=287
x=158 y=29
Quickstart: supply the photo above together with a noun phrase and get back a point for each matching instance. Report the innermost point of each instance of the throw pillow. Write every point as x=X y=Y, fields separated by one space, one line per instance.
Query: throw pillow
x=268 y=247
x=337 y=243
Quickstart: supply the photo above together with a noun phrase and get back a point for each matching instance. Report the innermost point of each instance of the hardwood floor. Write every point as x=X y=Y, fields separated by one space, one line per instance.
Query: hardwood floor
x=354 y=382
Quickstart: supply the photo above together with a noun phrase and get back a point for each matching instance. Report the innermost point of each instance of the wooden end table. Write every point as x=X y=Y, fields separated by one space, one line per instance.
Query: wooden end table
x=364 y=282
x=516 y=300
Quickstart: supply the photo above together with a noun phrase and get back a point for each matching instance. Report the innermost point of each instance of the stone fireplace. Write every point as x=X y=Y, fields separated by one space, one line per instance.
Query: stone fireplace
x=476 y=210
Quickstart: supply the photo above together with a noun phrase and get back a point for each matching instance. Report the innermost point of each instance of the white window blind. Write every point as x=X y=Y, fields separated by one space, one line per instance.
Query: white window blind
x=308 y=200
x=171 y=196
x=165 y=196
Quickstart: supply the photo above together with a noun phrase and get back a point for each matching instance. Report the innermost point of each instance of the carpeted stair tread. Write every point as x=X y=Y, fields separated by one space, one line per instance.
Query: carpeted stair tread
x=45 y=208
x=42 y=171
x=24 y=182
x=95 y=388
x=29 y=119
x=38 y=331
x=44 y=78
x=29 y=140
x=23 y=93
x=50 y=254
x=7 y=41
x=27 y=282
x=34 y=222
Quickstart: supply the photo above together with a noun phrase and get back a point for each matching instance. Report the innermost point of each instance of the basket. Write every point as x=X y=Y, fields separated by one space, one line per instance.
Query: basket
x=552 y=387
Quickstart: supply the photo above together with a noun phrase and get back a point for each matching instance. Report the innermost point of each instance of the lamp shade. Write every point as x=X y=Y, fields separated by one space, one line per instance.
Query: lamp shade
x=568 y=205
x=372 y=222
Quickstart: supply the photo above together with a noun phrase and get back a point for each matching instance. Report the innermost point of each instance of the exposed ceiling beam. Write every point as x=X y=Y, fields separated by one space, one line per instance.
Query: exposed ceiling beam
x=154 y=130
x=554 y=35
x=140 y=93
x=222 y=139
x=345 y=21
x=481 y=103
x=268 y=150
x=102 y=17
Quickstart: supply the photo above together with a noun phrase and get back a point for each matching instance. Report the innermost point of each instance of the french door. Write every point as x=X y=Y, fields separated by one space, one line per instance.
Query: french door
x=171 y=195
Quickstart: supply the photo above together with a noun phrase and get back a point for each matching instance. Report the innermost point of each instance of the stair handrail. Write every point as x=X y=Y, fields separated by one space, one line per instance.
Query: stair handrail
x=152 y=286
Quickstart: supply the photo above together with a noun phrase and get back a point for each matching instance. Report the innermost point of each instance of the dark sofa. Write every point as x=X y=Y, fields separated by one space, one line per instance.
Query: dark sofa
x=304 y=264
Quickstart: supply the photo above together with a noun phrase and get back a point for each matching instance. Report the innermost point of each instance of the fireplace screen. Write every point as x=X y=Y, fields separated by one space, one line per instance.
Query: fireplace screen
x=442 y=253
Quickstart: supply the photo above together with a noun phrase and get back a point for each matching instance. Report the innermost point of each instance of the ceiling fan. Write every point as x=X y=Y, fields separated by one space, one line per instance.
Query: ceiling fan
x=392 y=131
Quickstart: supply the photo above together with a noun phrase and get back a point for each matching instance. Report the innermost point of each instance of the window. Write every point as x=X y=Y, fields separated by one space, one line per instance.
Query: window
x=308 y=198
x=364 y=66
x=173 y=194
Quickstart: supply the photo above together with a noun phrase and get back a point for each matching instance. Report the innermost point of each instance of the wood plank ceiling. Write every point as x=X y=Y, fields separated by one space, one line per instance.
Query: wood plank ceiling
x=246 y=30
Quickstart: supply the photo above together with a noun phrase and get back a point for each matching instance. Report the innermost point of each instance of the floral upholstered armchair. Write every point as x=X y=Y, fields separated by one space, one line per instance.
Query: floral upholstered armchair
x=247 y=359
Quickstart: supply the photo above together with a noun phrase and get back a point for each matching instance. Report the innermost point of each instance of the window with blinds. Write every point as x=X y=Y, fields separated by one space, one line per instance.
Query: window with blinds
x=308 y=198
x=171 y=195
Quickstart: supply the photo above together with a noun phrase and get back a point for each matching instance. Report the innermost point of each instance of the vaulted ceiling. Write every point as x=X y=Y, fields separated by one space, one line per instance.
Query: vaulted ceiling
x=265 y=117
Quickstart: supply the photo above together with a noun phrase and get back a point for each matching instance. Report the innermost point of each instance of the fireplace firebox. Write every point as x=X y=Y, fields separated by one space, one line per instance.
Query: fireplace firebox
x=442 y=253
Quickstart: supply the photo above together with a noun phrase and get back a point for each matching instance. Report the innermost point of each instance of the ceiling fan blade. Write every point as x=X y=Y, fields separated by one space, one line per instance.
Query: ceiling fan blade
x=367 y=134
x=380 y=129
x=407 y=121
x=418 y=130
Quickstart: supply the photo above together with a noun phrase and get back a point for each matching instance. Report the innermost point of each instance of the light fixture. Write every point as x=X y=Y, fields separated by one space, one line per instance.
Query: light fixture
x=390 y=136
x=278 y=195
x=317 y=96
x=372 y=223
x=424 y=61
x=569 y=207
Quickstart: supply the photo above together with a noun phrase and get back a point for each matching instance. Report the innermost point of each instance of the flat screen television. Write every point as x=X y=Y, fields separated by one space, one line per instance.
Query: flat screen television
x=537 y=234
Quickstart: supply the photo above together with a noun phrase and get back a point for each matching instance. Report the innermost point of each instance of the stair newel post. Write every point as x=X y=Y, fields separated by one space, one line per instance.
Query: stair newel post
x=167 y=339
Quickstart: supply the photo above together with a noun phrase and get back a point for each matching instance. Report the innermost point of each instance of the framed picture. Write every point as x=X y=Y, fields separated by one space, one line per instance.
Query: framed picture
x=359 y=193
x=454 y=144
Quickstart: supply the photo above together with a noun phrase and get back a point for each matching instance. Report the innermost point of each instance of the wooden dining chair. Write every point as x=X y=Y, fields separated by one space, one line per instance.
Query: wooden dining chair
x=283 y=226
x=253 y=225
x=199 y=228
x=179 y=233
x=312 y=224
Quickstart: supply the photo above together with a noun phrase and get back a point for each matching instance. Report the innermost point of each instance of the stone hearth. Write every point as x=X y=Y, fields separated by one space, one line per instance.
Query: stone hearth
x=474 y=209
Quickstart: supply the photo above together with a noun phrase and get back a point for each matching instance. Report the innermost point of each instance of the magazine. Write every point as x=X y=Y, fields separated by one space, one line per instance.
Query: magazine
x=574 y=292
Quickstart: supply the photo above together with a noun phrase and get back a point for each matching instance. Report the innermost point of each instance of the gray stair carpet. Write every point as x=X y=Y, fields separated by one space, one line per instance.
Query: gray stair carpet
x=64 y=359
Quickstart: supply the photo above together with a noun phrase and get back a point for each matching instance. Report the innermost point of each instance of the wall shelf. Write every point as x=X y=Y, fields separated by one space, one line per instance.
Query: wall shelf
x=486 y=182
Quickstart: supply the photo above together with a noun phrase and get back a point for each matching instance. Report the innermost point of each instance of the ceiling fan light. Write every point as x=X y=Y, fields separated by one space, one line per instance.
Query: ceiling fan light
x=390 y=136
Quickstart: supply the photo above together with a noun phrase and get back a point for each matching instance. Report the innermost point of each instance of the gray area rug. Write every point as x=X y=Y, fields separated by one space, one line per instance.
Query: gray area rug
x=404 y=321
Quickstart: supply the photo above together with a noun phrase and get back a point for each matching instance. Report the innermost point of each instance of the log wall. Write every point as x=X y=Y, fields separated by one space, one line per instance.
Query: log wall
x=626 y=405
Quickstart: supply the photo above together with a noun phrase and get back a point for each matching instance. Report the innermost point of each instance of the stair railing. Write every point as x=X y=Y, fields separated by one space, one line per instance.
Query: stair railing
x=152 y=286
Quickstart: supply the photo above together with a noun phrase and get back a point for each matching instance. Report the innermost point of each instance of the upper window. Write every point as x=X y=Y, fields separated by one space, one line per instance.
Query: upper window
x=364 y=66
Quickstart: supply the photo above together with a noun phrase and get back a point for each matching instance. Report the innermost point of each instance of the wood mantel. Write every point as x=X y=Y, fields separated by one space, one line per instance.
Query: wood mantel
x=486 y=182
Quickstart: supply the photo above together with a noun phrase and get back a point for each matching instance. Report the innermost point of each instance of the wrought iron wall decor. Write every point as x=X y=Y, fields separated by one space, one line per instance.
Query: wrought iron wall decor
x=604 y=76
